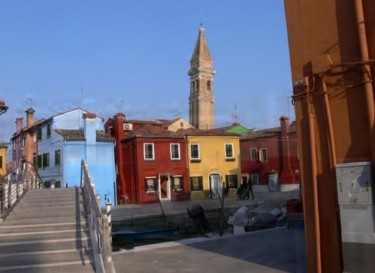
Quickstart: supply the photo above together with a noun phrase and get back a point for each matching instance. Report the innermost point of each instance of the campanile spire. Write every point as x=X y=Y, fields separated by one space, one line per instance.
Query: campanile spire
x=201 y=72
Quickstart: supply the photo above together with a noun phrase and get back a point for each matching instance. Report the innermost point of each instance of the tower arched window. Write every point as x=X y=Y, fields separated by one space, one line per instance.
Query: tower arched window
x=209 y=85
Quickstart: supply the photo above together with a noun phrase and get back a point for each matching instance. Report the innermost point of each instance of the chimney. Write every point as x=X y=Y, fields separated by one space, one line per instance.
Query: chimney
x=284 y=125
x=118 y=126
x=30 y=117
x=89 y=127
x=19 y=124
x=287 y=175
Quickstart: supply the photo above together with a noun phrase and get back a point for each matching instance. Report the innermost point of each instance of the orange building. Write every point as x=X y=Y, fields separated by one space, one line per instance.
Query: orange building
x=332 y=52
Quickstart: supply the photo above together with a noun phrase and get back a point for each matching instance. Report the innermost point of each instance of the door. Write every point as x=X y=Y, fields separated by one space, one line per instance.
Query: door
x=165 y=187
x=215 y=186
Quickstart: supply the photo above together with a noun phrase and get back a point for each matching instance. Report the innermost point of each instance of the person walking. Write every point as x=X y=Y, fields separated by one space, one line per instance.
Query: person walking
x=250 y=188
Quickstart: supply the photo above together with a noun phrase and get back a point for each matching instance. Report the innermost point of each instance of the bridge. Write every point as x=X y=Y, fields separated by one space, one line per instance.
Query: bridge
x=52 y=230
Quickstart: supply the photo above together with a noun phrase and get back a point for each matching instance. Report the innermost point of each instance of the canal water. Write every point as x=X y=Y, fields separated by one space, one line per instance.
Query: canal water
x=146 y=230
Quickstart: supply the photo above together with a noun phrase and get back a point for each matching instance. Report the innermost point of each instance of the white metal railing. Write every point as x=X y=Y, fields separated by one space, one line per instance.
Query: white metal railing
x=15 y=184
x=99 y=224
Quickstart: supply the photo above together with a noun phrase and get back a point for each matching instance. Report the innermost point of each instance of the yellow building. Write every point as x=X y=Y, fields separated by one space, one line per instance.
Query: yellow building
x=3 y=161
x=213 y=161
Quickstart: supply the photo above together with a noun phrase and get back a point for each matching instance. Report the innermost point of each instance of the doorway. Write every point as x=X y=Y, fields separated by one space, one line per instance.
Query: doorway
x=215 y=185
x=165 y=187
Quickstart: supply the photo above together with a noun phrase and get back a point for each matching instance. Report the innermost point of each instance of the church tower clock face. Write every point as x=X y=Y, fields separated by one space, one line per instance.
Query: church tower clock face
x=201 y=72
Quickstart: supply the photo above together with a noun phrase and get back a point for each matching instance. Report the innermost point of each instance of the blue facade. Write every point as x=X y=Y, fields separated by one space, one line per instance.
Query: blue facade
x=69 y=138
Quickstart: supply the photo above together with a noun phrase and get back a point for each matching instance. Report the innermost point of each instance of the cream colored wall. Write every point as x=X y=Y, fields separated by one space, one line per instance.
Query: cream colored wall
x=212 y=155
x=177 y=125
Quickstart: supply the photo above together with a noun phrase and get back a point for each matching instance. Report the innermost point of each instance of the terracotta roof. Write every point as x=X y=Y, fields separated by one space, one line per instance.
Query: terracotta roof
x=102 y=136
x=150 y=130
x=25 y=129
x=269 y=132
x=143 y=122
x=200 y=132
x=71 y=134
x=89 y=115
x=166 y=122
x=78 y=135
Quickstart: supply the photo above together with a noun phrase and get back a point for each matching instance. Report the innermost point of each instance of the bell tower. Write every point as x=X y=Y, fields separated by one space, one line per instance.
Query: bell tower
x=201 y=72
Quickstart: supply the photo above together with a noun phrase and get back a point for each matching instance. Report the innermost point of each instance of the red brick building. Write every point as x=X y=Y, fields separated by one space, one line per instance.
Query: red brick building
x=270 y=157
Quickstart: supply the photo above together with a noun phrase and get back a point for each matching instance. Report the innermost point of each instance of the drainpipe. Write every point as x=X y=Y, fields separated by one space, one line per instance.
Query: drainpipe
x=329 y=124
x=314 y=172
x=366 y=70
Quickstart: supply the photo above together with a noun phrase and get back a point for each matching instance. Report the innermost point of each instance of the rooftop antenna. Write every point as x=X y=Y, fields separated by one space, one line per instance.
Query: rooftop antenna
x=234 y=114
x=81 y=99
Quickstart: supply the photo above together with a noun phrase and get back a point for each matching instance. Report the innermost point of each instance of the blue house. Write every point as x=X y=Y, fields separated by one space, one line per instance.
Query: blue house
x=64 y=140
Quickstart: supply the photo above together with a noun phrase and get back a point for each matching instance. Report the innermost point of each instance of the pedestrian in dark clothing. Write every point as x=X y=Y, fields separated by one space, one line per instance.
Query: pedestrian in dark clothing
x=242 y=190
x=250 y=189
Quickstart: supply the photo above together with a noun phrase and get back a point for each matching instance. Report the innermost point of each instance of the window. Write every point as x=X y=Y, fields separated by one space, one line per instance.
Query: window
x=194 y=152
x=254 y=179
x=196 y=85
x=151 y=184
x=45 y=160
x=177 y=183
x=232 y=181
x=23 y=142
x=196 y=183
x=263 y=155
x=254 y=154
x=1 y=161
x=39 y=134
x=49 y=130
x=39 y=161
x=35 y=161
x=229 y=154
x=148 y=151
x=209 y=85
x=57 y=157
x=175 y=151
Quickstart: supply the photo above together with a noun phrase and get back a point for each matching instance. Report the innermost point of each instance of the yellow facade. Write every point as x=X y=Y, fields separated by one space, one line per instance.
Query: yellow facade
x=3 y=161
x=213 y=161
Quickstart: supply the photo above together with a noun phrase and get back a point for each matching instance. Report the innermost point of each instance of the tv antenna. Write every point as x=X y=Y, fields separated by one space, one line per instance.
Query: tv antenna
x=234 y=114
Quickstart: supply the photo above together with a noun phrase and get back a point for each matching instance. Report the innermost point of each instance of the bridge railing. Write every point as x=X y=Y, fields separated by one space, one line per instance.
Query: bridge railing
x=99 y=225
x=15 y=184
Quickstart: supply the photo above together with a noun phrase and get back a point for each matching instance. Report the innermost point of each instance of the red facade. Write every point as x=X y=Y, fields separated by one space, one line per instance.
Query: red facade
x=145 y=178
x=271 y=153
x=150 y=161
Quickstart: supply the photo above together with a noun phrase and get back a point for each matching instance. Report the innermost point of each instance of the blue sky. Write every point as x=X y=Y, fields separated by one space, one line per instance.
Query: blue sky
x=132 y=56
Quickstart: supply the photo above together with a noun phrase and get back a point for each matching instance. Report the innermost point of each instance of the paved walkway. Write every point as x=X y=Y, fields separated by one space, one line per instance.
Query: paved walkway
x=266 y=251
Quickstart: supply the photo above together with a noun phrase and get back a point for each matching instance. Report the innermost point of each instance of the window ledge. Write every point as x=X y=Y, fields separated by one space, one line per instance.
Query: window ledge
x=230 y=159
x=195 y=160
